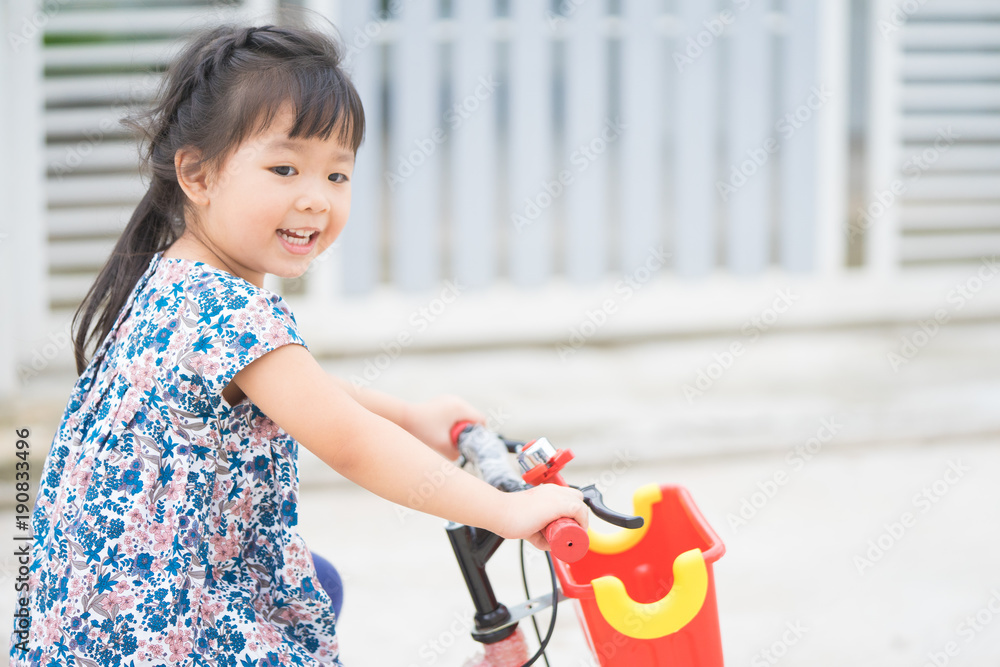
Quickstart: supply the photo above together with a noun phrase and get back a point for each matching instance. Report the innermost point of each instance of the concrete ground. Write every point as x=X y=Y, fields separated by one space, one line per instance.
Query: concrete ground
x=855 y=493
x=804 y=560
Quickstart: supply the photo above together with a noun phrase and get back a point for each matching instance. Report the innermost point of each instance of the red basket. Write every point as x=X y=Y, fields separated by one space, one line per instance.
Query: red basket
x=647 y=596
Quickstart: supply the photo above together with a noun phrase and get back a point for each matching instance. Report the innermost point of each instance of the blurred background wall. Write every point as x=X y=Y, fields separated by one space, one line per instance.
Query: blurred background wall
x=747 y=246
x=530 y=167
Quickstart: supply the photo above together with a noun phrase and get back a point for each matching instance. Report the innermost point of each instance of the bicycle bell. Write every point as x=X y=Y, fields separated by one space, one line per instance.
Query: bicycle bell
x=537 y=452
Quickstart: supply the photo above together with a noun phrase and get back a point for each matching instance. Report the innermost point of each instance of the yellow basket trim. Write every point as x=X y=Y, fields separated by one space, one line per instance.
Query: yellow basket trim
x=663 y=617
x=614 y=543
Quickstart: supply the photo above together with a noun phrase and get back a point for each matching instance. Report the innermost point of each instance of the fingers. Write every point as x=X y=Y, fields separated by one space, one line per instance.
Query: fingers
x=562 y=502
x=538 y=541
x=575 y=509
x=582 y=516
x=448 y=410
x=464 y=411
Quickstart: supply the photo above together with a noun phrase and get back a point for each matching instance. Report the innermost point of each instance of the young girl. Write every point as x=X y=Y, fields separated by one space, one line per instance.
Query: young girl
x=165 y=519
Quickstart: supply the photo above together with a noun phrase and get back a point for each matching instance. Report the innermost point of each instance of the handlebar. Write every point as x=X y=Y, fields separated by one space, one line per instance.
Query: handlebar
x=568 y=539
x=488 y=452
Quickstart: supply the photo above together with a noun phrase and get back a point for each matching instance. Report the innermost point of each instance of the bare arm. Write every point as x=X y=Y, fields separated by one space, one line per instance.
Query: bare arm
x=428 y=421
x=318 y=411
x=382 y=404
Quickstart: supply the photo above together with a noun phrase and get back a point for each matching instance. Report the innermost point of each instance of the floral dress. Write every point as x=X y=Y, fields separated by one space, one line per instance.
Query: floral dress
x=164 y=526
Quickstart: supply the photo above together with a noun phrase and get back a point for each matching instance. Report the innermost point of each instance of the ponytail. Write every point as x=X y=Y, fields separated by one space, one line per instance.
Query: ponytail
x=227 y=84
x=148 y=232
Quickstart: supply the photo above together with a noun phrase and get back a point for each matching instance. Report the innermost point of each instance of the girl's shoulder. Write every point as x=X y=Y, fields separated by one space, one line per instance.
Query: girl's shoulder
x=190 y=316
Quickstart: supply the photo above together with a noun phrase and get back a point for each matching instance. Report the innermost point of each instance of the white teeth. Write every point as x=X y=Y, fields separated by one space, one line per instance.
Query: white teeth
x=292 y=238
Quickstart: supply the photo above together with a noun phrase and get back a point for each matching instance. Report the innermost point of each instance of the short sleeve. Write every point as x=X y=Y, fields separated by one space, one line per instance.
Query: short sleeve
x=238 y=324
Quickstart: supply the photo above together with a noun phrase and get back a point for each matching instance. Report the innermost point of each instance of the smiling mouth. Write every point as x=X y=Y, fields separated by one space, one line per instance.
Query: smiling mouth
x=296 y=238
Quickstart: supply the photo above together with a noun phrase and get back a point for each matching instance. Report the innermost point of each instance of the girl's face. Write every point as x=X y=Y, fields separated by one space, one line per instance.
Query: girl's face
x=273 y=206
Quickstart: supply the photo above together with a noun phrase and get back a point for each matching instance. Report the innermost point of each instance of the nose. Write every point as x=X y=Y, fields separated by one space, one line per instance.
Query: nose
x=313 y=198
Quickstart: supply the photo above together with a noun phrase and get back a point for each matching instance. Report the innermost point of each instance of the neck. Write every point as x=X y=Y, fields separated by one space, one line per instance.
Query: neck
x=189 y=246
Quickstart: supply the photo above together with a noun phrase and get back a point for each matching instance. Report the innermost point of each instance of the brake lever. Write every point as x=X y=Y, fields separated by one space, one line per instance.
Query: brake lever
x=595 y=501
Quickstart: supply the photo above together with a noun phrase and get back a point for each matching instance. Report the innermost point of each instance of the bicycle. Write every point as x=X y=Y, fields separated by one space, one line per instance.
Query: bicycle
x=632 y=609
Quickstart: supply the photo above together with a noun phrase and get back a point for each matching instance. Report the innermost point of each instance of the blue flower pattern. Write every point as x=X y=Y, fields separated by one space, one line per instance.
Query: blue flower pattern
x=165 y=519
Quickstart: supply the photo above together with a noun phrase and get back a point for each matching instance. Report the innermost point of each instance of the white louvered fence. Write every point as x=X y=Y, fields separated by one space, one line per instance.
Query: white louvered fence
x=531 y=144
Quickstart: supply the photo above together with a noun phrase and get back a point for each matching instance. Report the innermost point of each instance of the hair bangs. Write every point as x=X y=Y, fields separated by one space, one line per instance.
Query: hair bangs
x=326 y=103
x=323 y=102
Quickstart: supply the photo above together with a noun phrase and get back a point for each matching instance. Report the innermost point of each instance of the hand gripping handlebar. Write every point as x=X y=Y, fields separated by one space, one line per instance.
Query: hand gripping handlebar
x=488 y=452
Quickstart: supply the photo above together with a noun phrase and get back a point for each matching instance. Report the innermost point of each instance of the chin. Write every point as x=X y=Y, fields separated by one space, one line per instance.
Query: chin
x=289 y=274
x=292 y=270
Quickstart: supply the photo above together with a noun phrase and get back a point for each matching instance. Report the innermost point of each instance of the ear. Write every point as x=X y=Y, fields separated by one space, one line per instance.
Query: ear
x=192 y=175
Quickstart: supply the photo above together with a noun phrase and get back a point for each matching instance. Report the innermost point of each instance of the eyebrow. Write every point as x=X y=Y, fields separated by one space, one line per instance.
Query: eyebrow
x=292 y=144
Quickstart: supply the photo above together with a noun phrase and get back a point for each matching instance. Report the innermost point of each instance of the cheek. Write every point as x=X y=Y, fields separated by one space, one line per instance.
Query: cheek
x=343 y=211
x=258 y=212
x=330 y=236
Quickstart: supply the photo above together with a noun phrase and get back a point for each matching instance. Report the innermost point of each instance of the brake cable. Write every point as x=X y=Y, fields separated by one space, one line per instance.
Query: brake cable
x=542 y=644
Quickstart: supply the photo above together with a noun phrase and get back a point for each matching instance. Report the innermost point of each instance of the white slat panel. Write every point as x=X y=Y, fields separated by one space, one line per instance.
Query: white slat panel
x=140 y=20
x=833 y=49
x=951 y=35
x=749 y=159
x=530 y=141
x=85 y=190
x=881 y=233
x=67 y=290
x=100 y=88
x=951 y=9
x=955 y=187
x=96 y=124
x=944 y=97
x=8 y=347
x=64 y=158
x=414 y=157
x=952 y=66
x=962 y=215
x=587 y=146
x=79 y=254
x=696 y=96
x=642 y=104
x=84 y=221
x=25 y=175
x=955 y=246
x=471 y=119
x=262 y=12
x=153 y=53
x=799 y=152
x=918 y=158
x=951 y=163
x=967 y=127
x=360 y=239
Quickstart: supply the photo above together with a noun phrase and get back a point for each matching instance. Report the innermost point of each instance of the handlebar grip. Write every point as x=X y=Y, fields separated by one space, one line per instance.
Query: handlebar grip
x=456 y=430
x=567 y=539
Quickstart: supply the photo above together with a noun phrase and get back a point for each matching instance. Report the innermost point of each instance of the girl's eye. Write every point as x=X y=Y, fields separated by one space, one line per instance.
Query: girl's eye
x=283 y=170
x=337 y=178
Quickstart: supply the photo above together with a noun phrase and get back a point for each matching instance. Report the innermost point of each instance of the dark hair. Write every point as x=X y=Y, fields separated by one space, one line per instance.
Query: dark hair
x=226 y=85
